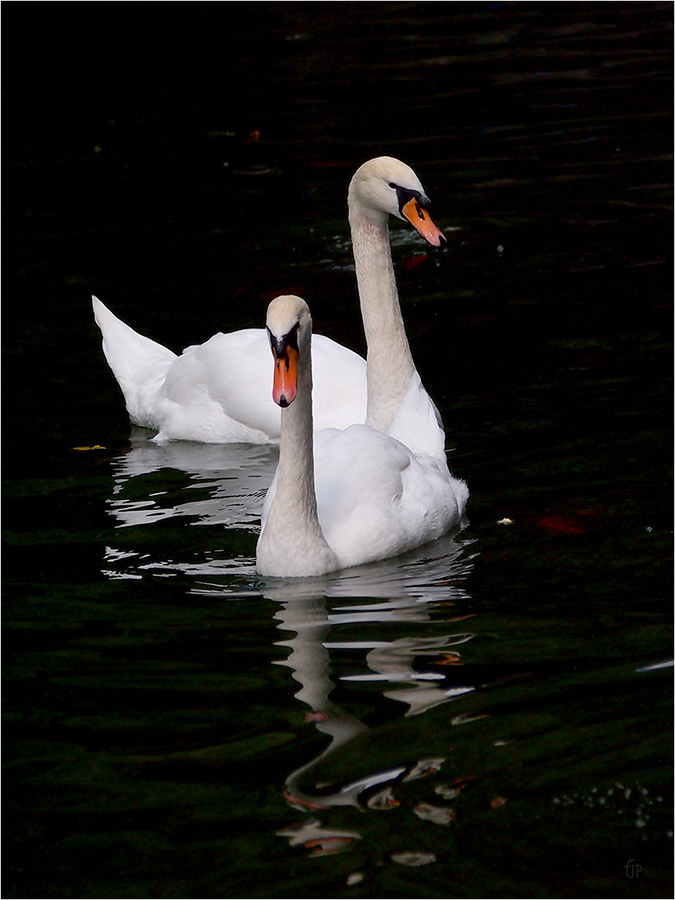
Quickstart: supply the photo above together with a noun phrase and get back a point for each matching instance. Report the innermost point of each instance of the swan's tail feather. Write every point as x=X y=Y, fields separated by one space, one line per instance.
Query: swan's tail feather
x=138 y=363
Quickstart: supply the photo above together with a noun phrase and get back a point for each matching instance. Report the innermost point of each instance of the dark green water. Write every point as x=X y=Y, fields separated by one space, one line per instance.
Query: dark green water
x=490 y=716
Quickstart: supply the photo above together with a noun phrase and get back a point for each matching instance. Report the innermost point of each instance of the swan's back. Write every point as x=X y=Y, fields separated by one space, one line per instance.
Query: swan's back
x=203 y=387
x=219 y=391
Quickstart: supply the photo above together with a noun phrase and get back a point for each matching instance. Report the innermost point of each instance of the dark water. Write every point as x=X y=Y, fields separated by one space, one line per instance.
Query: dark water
x=487 y=717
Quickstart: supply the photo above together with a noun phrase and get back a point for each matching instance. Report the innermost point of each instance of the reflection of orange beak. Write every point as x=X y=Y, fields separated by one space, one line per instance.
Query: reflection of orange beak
x=285 y=377
x=420 y=220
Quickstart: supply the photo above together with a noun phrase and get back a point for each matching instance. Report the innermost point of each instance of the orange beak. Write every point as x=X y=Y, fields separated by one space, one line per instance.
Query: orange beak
x=285 y=377
x=420 y=220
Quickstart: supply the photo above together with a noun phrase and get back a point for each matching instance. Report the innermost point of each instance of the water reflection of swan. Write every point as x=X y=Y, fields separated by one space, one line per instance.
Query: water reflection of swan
x=416 y=590
x=344 y=498
x=219 y=391
x=391 y=662
x=227 y=484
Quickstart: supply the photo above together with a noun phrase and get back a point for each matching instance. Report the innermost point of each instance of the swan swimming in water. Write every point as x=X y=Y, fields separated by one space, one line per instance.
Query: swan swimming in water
x=342 y=498
x=218 y=391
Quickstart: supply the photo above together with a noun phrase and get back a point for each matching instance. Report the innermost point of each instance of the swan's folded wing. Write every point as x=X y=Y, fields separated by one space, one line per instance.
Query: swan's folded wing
x=377 y=499
x=417 y=422
x=359 y=483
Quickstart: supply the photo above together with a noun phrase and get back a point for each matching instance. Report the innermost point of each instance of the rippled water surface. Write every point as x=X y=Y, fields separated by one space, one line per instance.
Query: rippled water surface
x=488 y=716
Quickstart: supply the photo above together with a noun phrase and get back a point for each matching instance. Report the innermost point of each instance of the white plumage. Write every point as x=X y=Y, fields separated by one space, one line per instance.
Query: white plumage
x=343 y=498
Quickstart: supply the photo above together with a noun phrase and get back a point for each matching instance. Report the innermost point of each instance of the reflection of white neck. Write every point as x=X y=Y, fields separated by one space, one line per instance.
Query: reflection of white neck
x=310 y=662
x=389 y=361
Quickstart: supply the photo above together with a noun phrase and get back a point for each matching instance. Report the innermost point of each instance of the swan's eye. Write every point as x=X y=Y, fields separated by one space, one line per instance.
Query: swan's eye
x=392 y=185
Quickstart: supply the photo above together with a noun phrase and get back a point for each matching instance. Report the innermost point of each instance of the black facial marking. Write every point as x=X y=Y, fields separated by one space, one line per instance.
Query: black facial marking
x=280 y=345
x=405 y=195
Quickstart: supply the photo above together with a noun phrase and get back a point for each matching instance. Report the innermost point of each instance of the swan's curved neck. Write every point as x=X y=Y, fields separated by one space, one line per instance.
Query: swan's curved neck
x=389 y=362
x=292 y=533
x=295 y=486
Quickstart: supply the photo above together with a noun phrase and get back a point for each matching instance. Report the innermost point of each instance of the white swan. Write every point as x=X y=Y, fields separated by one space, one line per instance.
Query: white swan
x=218 y=391
x=341 y=498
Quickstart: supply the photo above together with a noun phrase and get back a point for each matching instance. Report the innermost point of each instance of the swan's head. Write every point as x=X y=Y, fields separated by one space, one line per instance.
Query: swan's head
x=387 y=185
x=289 y=326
